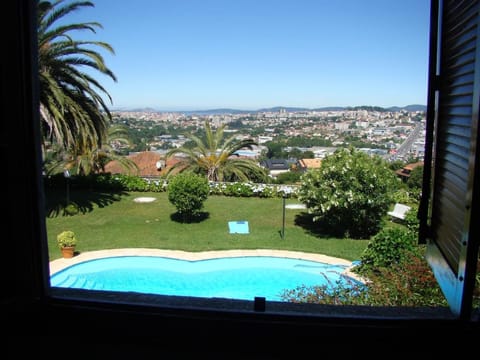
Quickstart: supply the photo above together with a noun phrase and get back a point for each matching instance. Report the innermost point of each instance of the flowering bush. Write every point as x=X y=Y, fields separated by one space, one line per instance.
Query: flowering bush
x=349 y=195
x=246 y=189
x=120 y=182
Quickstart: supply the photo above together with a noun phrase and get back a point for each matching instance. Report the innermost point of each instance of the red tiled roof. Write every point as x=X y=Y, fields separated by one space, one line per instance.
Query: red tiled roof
x=407 y=169
x=310 y=163
x=146 y=162
x=413 y=165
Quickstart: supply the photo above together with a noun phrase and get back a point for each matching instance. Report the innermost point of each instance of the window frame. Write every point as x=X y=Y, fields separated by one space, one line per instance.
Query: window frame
x=33 y=308
x=456 y=277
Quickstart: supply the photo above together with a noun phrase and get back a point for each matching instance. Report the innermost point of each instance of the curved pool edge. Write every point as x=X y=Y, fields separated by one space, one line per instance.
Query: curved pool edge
x=62 y=263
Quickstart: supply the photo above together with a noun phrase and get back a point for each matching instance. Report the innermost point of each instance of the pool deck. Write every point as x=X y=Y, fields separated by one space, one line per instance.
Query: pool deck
x=60 y=264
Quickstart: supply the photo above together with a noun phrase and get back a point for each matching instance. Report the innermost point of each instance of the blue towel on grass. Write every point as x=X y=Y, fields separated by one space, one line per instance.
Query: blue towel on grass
x=238 y=227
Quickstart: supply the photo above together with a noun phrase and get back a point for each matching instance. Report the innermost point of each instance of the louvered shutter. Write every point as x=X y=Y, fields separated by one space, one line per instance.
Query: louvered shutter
x=448 y=215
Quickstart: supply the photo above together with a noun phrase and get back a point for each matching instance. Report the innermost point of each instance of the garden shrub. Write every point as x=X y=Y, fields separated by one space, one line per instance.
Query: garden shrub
x=290 y=177
x=340 y=293
x=411 y=219
x=415 y=180
x=187 y=192
x=390 y=246
x=402 y=196
x=238 y=189
x=409 y=282
x=350 y=194
x=248 y=189
x=122 y=182
x=71 y=210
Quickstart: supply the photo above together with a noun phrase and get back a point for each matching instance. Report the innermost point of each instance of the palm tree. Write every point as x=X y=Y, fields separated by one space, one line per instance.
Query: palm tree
x=216 y=157
x=73 y=113
x=84 y=161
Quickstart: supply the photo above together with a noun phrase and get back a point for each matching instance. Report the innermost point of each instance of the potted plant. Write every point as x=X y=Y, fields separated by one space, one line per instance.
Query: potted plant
x=67 y=241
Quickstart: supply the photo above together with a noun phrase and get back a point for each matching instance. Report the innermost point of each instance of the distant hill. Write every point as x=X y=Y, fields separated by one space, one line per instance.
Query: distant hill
x=145 y=109
x=286 y=108
x=414 y=107
x=217 y=111
x=330 y=108
x=375 y=108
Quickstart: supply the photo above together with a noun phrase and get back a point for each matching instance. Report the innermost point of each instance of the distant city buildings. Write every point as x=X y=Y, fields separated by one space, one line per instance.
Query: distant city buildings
x=394 y=135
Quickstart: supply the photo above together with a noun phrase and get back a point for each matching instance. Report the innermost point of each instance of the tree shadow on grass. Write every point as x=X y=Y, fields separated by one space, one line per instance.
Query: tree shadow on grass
x=315 y=228
x=190 y=219
x=79 y=201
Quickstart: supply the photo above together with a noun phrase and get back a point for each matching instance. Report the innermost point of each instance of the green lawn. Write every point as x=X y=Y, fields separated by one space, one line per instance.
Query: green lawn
x=108 y=221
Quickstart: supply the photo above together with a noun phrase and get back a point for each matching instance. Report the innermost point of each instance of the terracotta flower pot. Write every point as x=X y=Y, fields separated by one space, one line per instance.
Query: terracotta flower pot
x=68 y=251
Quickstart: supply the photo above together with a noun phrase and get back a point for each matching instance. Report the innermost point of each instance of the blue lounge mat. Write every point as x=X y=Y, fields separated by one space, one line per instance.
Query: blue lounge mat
x=238 y=227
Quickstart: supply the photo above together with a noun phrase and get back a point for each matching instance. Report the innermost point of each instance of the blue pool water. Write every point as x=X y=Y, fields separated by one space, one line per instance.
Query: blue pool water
x=233 y=278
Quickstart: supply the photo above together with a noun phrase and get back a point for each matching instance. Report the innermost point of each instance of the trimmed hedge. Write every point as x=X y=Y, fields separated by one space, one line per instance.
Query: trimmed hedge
x=119 y=182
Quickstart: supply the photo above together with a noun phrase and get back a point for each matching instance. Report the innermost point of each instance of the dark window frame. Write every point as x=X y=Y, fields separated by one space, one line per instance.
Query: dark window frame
x=450 y=183
x=32 y=308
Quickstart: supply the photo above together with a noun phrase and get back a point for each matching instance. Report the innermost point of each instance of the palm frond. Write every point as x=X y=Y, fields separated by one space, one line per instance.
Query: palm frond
x=213 y=156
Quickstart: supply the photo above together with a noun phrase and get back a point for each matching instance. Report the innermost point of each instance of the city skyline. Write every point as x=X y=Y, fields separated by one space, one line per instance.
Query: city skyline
x=197 y=55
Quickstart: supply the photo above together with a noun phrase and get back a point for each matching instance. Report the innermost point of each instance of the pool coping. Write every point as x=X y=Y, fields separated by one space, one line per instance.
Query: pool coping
x=62 y=263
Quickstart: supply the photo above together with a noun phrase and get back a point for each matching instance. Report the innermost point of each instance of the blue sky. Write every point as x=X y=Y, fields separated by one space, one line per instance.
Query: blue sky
x=251 y=54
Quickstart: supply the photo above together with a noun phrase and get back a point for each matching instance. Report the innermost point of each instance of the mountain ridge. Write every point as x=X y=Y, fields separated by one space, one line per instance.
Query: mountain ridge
x=218 y=111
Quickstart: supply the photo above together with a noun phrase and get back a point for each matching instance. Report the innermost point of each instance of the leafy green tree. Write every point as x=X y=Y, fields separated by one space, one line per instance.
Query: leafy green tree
x=349 y=194
x=308 y=154
x=302 y=141
x=214 y=156
x=295 y=153
x=73 y=112
x=396 y=165
x=187 y=192
x=275 y=150
x=289 y=177
x=415 y=180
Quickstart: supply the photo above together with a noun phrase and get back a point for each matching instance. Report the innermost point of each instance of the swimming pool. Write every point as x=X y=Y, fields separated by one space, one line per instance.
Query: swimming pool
x=243 y=277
